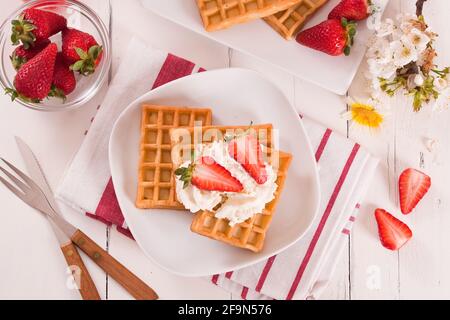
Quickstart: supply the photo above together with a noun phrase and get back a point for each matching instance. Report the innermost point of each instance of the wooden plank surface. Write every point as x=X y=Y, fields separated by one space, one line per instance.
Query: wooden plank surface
x=365 y=271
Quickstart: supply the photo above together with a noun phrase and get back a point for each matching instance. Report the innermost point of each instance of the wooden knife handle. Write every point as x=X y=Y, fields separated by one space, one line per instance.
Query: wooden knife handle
x=135 y=286
x=81 y=275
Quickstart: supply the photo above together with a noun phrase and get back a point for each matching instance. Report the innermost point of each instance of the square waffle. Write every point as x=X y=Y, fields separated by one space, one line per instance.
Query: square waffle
x=222 y=14
x=289 y=22
x=249 y=234
x=156 y=183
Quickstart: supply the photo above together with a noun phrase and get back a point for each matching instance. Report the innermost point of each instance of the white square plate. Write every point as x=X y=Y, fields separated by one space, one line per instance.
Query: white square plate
x=236 y=97
x=258 y=39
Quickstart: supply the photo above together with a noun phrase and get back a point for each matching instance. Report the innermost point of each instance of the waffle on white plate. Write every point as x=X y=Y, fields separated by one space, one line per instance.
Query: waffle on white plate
x=156 y=186
x=290 y=21
x=222 y=14
x=251 y=233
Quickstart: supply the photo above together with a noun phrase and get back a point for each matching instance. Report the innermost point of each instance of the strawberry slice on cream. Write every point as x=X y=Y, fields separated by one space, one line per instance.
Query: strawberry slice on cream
x=226 y=186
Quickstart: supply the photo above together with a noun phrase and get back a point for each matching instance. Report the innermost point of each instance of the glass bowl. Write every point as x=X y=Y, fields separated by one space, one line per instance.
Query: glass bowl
x=78 y=16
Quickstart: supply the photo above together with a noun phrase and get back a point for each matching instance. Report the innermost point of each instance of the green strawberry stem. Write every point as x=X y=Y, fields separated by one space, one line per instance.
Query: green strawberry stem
x=87 y=63
x=17 y=61
x=185 y=174
x=15 y=95
x=22 y=31
x=350 y=28
x=57 y=93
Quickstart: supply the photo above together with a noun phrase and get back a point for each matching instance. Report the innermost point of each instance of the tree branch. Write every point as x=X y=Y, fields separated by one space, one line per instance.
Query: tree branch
x=419 y=7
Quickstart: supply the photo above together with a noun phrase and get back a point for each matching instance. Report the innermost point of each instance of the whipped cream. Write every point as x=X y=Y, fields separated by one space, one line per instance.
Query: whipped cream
x=236 y=207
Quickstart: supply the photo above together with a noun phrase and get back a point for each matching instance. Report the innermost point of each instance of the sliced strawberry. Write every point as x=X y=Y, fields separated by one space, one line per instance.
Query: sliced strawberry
x=353 y=10
x=413 y=185
x=206 y=174
x=247 y=151
x=393 y=233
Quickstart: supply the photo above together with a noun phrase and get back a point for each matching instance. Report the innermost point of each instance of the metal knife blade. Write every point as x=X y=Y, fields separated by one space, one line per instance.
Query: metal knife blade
x=35 y=171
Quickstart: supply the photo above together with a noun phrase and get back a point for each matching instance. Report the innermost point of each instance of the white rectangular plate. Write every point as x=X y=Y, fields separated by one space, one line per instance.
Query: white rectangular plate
x=258 y=39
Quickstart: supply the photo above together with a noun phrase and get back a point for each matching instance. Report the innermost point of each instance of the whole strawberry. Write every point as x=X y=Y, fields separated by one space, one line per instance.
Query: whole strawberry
x=20 y=55
x=36 y=25
x=354 y=10
x=64 y=82
x=81 y=50
x=333 y=37
x=34 y=80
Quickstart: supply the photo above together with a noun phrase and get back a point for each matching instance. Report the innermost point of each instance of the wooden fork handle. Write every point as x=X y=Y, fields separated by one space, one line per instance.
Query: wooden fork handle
x=135 y=286
x=81 y=275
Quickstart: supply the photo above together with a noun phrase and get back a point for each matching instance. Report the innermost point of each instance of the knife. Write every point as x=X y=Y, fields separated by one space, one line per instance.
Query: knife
x=135 y=286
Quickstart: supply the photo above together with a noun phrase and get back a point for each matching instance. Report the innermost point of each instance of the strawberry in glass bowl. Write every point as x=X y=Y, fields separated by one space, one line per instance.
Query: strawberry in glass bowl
x=50 y=63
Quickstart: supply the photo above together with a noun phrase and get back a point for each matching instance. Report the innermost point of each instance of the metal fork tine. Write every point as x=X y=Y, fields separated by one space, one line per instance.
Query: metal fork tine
x=25 y=178
x=17 y=192
x=19 y=183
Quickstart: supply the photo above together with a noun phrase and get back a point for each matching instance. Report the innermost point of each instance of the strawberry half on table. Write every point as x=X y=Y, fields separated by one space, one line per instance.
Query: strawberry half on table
x=413 y=185
x=393 y=233
x=64 y=82
x=206 y=174
x=246 y=150
x=81 y=51
x=21 y=55
x=333 y=37
x=34 y=26
x=34 y=79
x=352 y=10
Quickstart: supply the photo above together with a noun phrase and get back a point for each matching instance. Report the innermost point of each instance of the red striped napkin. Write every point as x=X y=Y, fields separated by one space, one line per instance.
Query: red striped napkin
x=300 y=272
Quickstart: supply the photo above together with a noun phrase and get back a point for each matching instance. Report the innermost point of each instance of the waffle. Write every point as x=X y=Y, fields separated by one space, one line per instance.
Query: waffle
x=222 y=14
x=251 y=233
x=289 y=22
x=156 y=183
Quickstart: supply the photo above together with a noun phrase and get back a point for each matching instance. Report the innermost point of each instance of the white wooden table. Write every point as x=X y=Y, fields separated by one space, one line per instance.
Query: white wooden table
x=32 y=266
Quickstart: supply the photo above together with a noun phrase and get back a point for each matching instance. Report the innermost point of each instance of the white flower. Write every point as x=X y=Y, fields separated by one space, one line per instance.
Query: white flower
x=440 y=84
x=442 y=103
x=404 y=53
x=417 y=38
x=380 y=50
x=383 y=70
x=404 y=21
x=386 y=28
x=418 y=80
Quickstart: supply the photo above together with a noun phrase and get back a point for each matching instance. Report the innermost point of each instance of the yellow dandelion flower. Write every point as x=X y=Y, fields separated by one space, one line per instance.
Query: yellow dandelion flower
x=366 y=115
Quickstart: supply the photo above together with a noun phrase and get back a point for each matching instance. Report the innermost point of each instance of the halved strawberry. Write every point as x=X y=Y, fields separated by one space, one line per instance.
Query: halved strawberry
x=247 y=151
x=206 y=174
x=393 y=233
x=413 y=185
